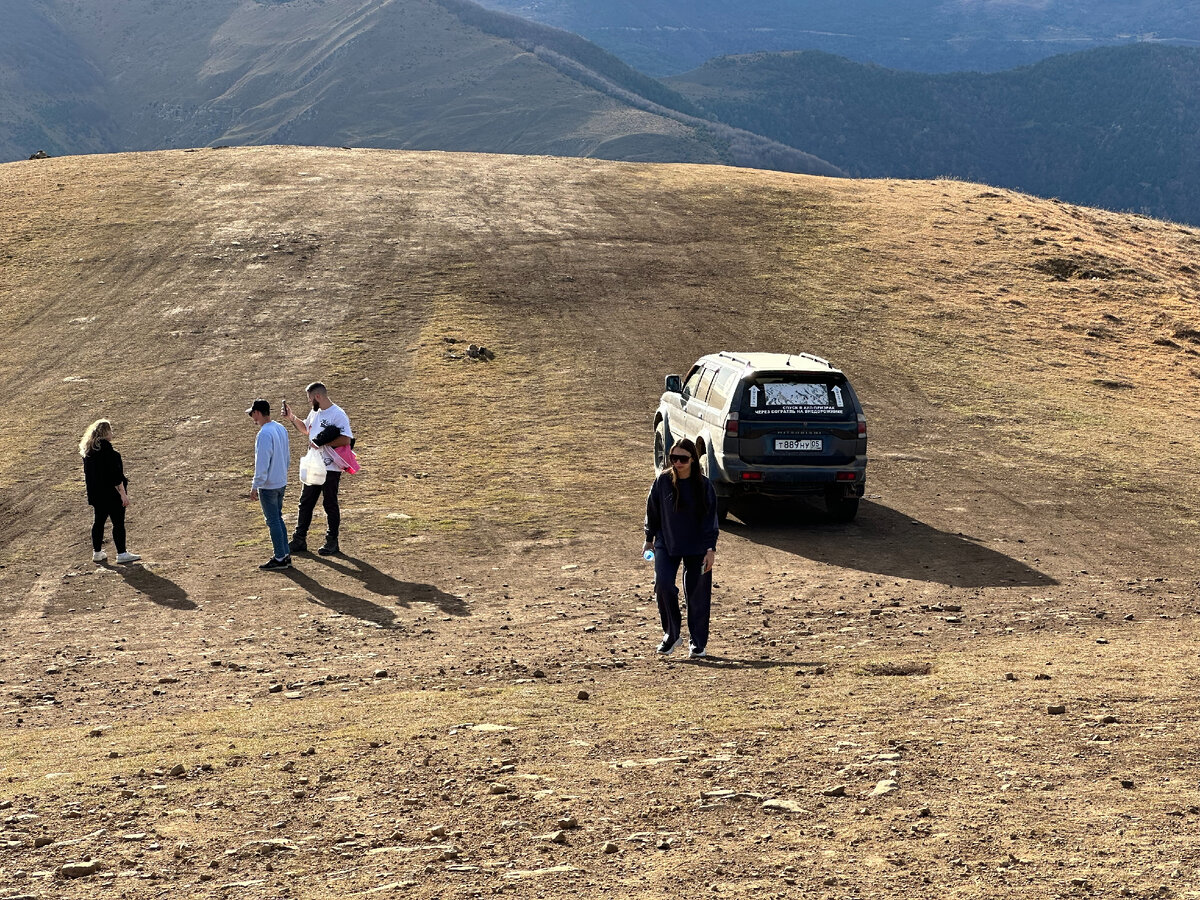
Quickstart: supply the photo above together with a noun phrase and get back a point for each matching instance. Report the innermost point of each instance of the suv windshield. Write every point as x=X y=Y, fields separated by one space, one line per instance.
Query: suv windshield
x=795 y=395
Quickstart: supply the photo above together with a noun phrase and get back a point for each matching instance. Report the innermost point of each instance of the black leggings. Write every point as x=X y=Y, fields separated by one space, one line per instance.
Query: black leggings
x=102 y=514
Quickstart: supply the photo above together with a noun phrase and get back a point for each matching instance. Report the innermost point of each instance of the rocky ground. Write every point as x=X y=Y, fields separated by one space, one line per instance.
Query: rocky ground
x=981 y=687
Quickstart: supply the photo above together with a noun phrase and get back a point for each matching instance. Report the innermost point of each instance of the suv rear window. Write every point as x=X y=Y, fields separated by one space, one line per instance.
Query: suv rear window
x=795 y=395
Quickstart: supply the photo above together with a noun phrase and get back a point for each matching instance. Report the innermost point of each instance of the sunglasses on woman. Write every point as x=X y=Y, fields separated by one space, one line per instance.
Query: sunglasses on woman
x=680 y=457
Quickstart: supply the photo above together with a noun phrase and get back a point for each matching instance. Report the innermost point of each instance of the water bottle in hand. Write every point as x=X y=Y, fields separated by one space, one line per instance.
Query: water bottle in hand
x=648 y=555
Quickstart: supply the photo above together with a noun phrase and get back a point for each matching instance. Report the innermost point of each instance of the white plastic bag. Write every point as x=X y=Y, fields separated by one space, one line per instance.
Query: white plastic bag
x=312 y=467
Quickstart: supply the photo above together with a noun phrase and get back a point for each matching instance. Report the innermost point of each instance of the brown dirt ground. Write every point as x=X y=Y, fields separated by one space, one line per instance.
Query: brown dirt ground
x=1029 y=370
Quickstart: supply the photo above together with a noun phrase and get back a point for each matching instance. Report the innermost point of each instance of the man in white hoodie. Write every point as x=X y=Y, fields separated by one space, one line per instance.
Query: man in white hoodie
x=325 y=419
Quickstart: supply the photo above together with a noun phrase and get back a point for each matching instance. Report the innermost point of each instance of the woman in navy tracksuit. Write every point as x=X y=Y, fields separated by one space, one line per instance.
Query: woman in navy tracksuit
x=681 y=526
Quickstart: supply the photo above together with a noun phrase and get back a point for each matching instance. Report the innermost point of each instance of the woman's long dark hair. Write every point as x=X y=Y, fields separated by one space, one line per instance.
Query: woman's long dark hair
x=697 y=477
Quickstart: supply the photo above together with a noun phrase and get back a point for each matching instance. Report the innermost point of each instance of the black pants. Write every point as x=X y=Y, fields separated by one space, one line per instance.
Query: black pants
x=697 y=586
x=328 y=492
x=103 y=514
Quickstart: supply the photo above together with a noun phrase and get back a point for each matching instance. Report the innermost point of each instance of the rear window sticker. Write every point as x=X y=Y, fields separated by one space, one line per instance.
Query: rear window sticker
x=803 y=393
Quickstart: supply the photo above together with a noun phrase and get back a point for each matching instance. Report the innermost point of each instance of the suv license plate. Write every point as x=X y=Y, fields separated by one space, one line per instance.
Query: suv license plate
x=781 y=444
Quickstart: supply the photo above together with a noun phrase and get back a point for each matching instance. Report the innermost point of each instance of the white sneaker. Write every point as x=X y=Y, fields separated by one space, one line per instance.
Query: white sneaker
x=127 y=557
x=696 y=653
x=99 y=556
x=668 y=645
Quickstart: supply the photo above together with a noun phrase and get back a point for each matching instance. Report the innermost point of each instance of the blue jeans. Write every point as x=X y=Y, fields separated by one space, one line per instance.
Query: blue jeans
x=272 y=507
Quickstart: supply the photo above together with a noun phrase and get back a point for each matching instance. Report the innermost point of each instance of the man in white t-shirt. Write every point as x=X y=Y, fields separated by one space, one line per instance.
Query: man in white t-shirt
x=327 y=426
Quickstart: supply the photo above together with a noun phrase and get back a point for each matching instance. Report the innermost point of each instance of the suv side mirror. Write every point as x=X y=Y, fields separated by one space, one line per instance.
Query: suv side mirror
x=674 y=384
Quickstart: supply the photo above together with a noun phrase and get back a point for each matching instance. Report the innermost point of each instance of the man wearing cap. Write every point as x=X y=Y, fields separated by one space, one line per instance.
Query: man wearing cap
x=272 y=456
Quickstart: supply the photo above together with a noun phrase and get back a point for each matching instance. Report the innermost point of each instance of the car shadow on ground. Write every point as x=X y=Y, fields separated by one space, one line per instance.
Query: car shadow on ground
x=160 y=590
x=883 y=541
x=404 y=593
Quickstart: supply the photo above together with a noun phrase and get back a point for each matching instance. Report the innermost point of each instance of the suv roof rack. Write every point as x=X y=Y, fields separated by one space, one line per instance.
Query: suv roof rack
x=773 y=360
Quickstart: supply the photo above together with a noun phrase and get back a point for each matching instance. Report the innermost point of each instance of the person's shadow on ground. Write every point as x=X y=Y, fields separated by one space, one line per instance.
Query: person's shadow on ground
x=405 y=593
x=162 y=591
x=728 y=662
x=340 y=602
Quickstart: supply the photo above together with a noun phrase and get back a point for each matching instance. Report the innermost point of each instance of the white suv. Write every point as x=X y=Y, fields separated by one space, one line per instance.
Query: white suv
x=770 y=424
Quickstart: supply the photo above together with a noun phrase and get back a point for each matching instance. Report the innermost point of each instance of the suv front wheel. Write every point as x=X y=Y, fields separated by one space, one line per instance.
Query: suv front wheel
x=662 y=446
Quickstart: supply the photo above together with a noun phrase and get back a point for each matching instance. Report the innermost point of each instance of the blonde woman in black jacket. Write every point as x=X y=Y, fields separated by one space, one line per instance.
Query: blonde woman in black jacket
x=107 y=492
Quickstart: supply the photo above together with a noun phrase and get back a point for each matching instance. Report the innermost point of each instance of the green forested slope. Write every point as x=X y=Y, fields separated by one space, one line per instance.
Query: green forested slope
x=1115 y=127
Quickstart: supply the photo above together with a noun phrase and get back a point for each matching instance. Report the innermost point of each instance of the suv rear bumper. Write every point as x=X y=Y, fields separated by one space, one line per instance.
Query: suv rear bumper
x=736 y=478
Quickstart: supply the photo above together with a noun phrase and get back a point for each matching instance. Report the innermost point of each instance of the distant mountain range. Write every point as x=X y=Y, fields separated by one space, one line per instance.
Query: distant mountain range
x=78 y=76
x=664 y=37
x=1115 y=127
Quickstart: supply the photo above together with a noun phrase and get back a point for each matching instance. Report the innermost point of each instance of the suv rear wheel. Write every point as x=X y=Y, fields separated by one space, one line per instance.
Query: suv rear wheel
x=841 y=508
x=722 y=502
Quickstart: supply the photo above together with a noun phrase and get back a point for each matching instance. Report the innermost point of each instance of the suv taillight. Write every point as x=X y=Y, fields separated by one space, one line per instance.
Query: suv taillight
x=862 y=427
x=731 y=425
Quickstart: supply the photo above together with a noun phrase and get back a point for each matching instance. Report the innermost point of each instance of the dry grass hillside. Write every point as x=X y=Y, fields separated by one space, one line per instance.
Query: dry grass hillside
x=408 y=719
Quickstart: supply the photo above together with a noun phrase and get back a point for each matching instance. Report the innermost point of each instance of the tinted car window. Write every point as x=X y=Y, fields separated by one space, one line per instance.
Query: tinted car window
x=796 y=395
x=722 y=388
x=705 y=384
x=689 y=386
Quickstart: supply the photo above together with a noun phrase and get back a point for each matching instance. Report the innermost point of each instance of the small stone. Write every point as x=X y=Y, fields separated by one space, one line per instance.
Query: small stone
x=177 y=770
x=293 y=695
x=609 y=847
x=298 y=794
x=1108 y=720
x=499 y=788
x=437 y=831
x=381 y=673
x=449 y=854
x=538 y=673
x=568 y=822
x=1010 y=676
x=584 y=695
x=555 y=837
x=275 y=689
x=1056 y=709
x=785 y=806
x=113 y=754
x=837 y=791
x=1128 y=785
x=168 y=679
x=289 y=766
x=886 y=786
x=42 y=841
x=664 y=844
x=79 y=869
